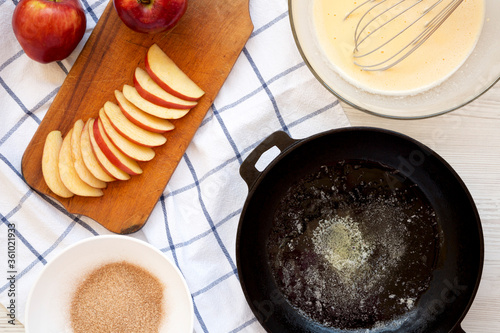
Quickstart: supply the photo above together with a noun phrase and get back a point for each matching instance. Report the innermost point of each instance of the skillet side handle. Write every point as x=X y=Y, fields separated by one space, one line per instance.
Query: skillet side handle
x=457 y=329
x=248 y=171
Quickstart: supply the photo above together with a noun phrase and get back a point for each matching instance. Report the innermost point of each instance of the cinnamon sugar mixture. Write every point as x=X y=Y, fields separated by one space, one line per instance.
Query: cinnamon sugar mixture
x=118 y=297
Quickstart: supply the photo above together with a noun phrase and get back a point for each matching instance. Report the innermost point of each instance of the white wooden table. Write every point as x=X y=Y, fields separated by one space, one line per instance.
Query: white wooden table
x=469 y=139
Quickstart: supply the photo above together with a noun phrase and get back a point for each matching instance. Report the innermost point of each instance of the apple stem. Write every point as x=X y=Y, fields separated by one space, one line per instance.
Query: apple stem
x=145 y=2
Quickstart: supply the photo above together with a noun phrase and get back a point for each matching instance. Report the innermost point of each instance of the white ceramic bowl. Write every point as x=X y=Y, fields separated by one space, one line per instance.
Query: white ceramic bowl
x=479 y=73
x=50 y=297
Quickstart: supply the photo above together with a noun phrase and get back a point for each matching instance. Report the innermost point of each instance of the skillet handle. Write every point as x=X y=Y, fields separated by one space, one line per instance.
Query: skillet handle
x=279 y=139
x=457 y=329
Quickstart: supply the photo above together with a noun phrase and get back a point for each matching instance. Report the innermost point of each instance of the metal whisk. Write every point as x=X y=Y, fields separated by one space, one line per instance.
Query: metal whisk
x=376 y=18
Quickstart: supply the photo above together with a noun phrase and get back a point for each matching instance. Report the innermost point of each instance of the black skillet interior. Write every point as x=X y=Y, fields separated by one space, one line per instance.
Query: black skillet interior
x=456 y=276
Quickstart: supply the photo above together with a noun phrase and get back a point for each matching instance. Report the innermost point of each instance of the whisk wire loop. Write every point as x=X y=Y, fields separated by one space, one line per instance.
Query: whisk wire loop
x=361 y=34
x=356 y=43
x=358 y=32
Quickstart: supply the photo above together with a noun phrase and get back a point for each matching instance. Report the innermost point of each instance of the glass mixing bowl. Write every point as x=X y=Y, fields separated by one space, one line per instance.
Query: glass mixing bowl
x=479 y=72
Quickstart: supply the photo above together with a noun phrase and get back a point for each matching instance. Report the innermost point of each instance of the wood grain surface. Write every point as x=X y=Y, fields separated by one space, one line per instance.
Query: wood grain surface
x=205 y=45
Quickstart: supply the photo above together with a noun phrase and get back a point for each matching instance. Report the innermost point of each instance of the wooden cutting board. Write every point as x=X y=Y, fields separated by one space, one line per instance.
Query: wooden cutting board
x=205 y=45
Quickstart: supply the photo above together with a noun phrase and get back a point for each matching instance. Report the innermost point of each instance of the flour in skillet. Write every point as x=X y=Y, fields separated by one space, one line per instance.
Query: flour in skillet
x=341 y=243
x=344 y=255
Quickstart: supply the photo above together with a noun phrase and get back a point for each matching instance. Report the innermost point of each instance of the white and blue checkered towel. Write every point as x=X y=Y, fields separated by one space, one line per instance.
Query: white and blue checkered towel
x=195 y=221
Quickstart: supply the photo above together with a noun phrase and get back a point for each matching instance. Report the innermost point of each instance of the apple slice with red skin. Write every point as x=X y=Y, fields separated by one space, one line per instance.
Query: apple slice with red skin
x=113 y=154
x=141 y=118
x=170 y=77
x=131 y=131
x=76 y=151
x=89 y=157
x=50 y=165
x=105 y=163
x=127 y=147
x=133 y=97
x=68 y=173
x=152 y=92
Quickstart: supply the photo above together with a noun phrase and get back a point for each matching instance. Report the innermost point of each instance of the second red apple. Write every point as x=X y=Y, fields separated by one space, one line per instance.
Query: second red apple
x=150 y=16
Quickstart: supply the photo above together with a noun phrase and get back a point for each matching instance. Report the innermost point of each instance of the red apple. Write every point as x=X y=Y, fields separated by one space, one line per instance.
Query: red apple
x=150 y=16
x=49 y=30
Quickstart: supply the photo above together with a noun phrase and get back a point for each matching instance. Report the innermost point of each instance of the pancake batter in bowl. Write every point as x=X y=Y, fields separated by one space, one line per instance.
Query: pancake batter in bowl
x=436 y=60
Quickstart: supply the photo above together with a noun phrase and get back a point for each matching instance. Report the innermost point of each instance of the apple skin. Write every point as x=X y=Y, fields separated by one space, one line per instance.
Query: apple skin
x=150 y=16
x=49 y=30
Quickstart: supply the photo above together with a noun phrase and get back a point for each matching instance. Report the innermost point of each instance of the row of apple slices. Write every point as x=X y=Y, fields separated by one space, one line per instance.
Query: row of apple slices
x=107 y=148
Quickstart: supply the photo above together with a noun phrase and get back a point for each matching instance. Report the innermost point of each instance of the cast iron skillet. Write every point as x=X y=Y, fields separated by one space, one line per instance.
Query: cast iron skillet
x=454 y=281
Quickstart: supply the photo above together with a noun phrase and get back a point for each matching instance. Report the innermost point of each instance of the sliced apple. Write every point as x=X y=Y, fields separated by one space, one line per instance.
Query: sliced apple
x=105 y=163
x=131 y=131
x=133 y=97
x=129 y=148
x=76 y=151
x=68 y=173
x=141 y=118
x=152 y=92
x=89 y=157
x=50 y=165
x=116 y=157
x=170 y=77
